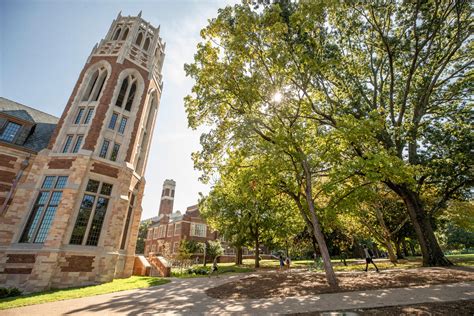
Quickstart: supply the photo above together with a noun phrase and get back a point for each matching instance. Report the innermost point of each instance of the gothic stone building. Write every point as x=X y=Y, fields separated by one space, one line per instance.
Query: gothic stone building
x=71 y=188
x=168 y=229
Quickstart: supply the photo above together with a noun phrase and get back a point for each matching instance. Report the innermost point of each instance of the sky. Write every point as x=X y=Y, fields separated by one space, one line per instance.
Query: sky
x=45 y=44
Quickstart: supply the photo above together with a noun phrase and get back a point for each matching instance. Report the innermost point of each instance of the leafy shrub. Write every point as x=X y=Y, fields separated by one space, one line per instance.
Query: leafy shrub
x=197 y=271
x=9 y=292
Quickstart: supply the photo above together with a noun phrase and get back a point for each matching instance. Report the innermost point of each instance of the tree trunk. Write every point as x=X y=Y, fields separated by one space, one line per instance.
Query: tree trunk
x=238 y=256
x=257 y=250
x=391 y=253
x=412 y=248
x=386 y=236
x=404 y=247
x=430 y=249
x=399 y=249
x=330 y=275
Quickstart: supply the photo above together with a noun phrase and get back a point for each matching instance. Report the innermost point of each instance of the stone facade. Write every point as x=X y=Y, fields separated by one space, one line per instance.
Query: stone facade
x=72 y=207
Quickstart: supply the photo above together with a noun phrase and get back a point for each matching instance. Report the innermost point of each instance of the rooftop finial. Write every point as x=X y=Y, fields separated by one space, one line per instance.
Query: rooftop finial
x=119 y=14
x=140 y=14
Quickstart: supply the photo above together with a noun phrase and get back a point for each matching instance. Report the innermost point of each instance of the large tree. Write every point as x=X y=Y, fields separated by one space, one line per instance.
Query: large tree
x=386 y=85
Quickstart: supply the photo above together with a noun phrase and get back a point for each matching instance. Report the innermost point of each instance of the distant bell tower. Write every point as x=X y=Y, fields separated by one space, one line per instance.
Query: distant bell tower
x=167 y=197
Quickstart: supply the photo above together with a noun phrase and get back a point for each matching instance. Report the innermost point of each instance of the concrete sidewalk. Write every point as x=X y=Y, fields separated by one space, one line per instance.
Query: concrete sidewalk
x=186 y=296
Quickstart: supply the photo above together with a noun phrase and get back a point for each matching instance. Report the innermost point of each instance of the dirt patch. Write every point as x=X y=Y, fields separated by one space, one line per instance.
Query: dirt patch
x=458 y=308
x=284 y=284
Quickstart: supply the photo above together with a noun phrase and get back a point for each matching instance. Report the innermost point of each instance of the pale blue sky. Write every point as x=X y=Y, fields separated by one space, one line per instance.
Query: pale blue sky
x=44 y=45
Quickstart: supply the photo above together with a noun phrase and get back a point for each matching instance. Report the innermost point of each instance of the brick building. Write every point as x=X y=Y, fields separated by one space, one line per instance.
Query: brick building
x=71 y=187
x=168 y=229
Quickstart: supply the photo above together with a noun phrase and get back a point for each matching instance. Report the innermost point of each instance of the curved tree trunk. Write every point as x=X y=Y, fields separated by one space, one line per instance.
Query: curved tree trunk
x=238 y=256
x=330 y=275
x=430 y=249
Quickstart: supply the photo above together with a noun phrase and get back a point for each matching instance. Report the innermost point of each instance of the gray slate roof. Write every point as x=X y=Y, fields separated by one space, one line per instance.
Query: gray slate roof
x=44 y=124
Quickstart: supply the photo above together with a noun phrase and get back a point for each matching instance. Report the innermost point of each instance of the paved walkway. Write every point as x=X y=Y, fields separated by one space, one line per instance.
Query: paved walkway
x=186 y=296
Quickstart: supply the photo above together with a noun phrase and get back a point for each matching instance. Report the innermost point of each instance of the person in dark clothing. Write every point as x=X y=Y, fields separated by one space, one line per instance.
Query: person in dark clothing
x=368 y=259
x=282 y=262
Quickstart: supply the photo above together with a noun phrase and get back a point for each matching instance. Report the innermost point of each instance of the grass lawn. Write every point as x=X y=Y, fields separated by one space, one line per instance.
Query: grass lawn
x=223 y=268
x=359 y=264
x=116 y=285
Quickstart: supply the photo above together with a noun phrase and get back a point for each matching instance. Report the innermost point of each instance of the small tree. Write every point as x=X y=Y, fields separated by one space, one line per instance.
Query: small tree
x=214 y=249
x=184 y=253
x=142 y=232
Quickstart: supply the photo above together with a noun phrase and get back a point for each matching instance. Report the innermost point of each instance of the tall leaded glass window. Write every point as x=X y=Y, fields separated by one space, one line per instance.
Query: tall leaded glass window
x=78 y=144
x=79 y=116
x=91 y=214
x=123 y=124
x=104 y=148
x=115 y=150
x=67 y=144
x=88 y=116
x=113 y=120
x=42 y=215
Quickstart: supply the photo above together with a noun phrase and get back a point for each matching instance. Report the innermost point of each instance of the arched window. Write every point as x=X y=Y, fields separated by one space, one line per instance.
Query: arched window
x=125 y=34
x=127 y=93
x=123 y=91
x=96 y=83
x=117 y=34
x=139 y=39
x=147 y=44
x=131 y=96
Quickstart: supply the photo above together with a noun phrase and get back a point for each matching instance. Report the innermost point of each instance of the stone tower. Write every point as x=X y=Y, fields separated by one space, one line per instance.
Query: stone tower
x=167 y=198
x=74 y=217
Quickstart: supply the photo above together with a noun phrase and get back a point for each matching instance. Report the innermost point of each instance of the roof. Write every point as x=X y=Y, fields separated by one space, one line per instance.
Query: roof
x=44 y=123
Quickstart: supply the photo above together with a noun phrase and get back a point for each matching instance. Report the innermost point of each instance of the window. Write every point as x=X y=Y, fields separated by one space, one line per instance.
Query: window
x=162 y=231
x=139 y=39
x=149 y=234
x=67 y=144
x=177 y=229
x=117 y=34
x=113 y=120
x=125 y=34
x=115 y=150
x=95 y=85
x=122 y=125
x=78 y=144
x=91 y=214
x=127 y=92
x=198 y=230
x=123 y=91
x=88 y=116
x=104 y=149
x=10 y=132
x=79 y=116
x=127 y=221
x=155 y=233
x=170 y=230
x=147 y=44
x=131 y=96
x=42 y=216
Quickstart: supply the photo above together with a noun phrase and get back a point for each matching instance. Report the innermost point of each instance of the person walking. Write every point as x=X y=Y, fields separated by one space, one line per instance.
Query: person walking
x=214 y=268
x=368 y=259
x=288 y=262
x=282 y=262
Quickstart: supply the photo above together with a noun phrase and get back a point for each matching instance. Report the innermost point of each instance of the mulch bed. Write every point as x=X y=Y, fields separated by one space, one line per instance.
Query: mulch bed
x=458 y=308
x=284 y=284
